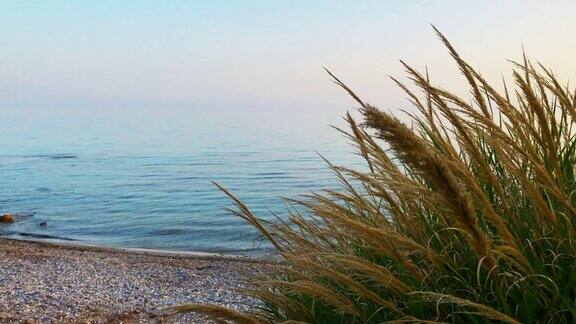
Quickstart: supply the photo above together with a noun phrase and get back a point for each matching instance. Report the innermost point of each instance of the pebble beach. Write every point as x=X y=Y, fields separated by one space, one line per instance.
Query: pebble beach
x=47 y=282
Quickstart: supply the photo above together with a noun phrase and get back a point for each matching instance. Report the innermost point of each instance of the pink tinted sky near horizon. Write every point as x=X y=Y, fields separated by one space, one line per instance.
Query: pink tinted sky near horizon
x=251 y=55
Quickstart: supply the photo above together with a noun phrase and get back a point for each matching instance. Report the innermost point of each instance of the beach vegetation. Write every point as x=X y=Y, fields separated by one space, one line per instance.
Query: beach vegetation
x=465 y=213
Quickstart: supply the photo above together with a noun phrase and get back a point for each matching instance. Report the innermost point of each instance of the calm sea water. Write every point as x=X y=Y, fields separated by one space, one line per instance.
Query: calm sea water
x=142 y=177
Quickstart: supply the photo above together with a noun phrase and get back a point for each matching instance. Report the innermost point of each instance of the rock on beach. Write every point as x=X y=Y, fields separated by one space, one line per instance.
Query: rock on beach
x=7 y=218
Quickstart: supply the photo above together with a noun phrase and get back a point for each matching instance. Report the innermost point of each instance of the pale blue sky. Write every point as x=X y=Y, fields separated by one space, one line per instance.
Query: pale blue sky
x=259 y=54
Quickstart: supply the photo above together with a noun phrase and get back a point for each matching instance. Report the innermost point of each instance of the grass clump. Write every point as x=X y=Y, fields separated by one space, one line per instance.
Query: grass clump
x=467 y=215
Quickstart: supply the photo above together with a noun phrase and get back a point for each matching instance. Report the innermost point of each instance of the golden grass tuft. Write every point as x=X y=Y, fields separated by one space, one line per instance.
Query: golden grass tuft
x=468 y=215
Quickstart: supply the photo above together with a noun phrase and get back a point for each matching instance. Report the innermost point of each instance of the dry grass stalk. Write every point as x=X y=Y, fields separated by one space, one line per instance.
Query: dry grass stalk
x=468 y=216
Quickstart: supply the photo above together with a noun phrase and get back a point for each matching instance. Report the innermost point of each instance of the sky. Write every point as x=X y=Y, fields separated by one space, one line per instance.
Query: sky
x=251 y=55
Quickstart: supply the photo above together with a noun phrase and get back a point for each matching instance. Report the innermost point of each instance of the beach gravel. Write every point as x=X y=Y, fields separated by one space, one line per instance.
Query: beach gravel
x=42 y=282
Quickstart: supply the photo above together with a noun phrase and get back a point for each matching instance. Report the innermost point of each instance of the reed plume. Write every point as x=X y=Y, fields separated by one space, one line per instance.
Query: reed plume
x=468 y=215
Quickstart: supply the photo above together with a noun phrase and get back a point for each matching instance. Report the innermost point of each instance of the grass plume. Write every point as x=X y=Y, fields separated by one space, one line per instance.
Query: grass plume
x=467 y=216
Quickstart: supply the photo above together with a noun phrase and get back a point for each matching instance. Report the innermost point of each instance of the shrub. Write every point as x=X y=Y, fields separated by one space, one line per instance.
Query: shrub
x=468 y=215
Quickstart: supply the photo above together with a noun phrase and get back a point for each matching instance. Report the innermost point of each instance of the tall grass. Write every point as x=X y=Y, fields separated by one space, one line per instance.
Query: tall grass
x=468 y=214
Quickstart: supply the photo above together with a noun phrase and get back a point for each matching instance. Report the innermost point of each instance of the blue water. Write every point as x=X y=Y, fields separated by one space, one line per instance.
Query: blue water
x=142 y=177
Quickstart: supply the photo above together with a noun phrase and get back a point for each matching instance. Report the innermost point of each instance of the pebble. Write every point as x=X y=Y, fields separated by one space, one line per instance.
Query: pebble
x=42 y=282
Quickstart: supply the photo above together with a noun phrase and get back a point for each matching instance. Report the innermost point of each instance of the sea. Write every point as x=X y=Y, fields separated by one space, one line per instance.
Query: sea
x=142 y=177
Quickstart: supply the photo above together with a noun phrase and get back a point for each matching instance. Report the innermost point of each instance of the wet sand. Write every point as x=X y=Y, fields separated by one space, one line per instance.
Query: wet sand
x=42 y=281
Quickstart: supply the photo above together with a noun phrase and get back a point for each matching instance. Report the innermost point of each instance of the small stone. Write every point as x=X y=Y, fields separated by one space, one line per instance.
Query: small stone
x=7 y=218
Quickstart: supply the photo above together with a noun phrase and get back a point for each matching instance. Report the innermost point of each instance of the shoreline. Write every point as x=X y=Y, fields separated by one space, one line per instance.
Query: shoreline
x=142 y=251
x=49 y=281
